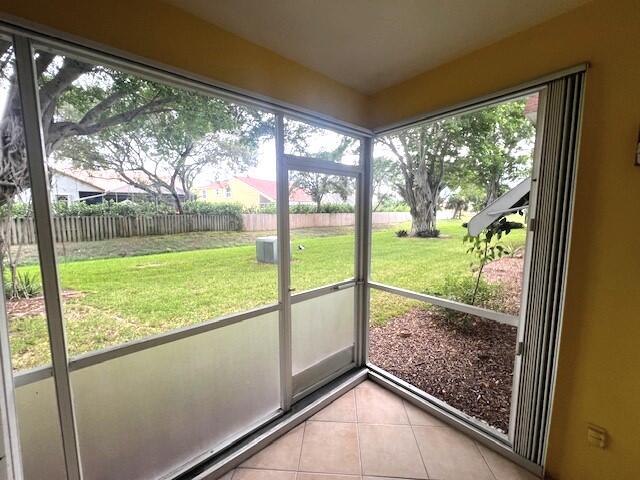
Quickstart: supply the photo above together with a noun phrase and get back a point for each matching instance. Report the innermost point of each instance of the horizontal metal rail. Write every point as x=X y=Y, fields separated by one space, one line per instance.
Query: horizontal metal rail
x=513 y=320
x=99 y=356
x=301 y=411
x=316 y=374
x=93 y=358
x=318 y=292
x=224 y=445
x=484 y=434
x=317 y=165
x=442 y=410
x=99 y=53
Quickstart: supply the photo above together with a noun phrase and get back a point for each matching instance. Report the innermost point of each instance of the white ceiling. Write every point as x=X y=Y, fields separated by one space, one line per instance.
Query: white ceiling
x=372 y=44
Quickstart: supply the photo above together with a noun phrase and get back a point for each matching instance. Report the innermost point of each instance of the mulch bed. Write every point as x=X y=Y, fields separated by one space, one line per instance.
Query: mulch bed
x=470 y=369
x=27 y=307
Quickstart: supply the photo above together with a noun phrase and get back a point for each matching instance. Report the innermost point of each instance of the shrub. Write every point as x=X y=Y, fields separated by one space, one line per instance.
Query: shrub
x=305 y=208
x=392 y=206
x=428 y=233
x=460 y=288
x=27 y=285
x=402 y=233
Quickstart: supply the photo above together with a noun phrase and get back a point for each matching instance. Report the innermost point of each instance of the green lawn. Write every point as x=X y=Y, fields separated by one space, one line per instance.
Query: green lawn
x=126 y=298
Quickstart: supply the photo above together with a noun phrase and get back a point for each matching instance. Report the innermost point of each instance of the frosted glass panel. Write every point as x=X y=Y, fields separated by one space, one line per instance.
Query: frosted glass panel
x=321 y=327
x=144 y=414
x=40 y=438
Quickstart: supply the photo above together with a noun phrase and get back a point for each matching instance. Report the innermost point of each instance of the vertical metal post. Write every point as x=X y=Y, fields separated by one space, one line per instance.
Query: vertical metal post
x=526 y=273
x=284 y=270
x=36 y=158
x=364 y=251
x=10 y=433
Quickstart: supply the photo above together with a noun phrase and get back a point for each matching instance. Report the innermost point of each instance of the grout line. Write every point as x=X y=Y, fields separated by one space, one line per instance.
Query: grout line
x=485 y=460
x=260 y=469
x=355 y=408
x=415 y=439
x=304 y=429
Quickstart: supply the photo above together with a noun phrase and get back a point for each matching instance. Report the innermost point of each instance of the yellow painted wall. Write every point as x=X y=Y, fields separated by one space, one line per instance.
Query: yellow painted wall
x=241 y=193
x=599 y=368
x=166 y=34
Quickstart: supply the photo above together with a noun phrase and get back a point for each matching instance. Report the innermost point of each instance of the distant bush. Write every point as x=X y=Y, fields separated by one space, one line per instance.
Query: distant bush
x=129 y=208
x=112 y=208
x=460 y=288
x=392 y=206
x=208 y=208
x=428 y=233
x=305 y=208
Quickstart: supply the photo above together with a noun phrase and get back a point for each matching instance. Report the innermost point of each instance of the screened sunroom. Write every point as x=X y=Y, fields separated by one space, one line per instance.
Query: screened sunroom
x=144 y=337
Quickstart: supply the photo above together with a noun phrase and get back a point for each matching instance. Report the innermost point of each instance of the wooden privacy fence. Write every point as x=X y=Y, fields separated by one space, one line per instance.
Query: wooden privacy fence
x=94 y=228
x=253 y=222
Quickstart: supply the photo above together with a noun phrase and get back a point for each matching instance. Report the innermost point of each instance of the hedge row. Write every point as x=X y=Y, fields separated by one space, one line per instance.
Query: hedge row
x=129 y=208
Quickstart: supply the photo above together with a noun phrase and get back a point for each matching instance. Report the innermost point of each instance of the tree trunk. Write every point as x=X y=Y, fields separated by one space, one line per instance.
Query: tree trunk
x=177 y=201
x=423 y=211
x=423 y=217
x=492 y=191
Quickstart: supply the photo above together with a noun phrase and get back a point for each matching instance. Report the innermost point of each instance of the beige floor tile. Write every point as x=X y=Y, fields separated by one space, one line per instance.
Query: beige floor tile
x=390 y=450
x=450 y=455
x=330 y=447
x=227 y=476
x=504 y=469
x=342 y=409
x=283 y=454
x=385 y=478
x=417 y=416
x=326 y=476
x=256 y=474
x=377 y=405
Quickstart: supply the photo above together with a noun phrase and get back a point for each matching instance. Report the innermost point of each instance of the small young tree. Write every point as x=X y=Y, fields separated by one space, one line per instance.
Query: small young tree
x=487 y=247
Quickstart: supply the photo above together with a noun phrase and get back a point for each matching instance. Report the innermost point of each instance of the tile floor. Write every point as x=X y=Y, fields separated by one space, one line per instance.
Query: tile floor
x=371 y=434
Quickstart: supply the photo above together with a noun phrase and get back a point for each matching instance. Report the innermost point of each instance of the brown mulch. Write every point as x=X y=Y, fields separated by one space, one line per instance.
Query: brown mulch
x=470 y=369
x=27 y=307
x=508 y=272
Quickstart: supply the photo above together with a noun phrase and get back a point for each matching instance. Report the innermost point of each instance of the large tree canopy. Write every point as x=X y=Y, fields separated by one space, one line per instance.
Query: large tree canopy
x=423 y=153
x=474 y=156
x=103 y=118
x=498 y=142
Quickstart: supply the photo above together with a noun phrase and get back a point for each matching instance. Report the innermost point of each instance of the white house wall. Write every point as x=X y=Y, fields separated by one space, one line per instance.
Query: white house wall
x=71 y=187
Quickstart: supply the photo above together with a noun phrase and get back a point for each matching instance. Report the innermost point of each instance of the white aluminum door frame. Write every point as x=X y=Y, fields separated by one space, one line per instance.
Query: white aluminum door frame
x=286 y=163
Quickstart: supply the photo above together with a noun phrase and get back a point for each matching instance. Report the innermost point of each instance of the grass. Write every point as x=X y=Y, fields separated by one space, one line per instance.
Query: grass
x=126 y=298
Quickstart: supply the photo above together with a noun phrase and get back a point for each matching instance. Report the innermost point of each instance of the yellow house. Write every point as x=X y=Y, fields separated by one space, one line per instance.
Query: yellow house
x=247 y=191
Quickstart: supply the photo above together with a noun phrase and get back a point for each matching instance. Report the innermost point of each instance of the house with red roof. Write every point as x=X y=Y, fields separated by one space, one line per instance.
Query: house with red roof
x=248 y=191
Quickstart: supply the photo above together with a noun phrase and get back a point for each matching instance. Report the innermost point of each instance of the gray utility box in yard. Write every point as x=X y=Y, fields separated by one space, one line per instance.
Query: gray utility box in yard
x=267 y=249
